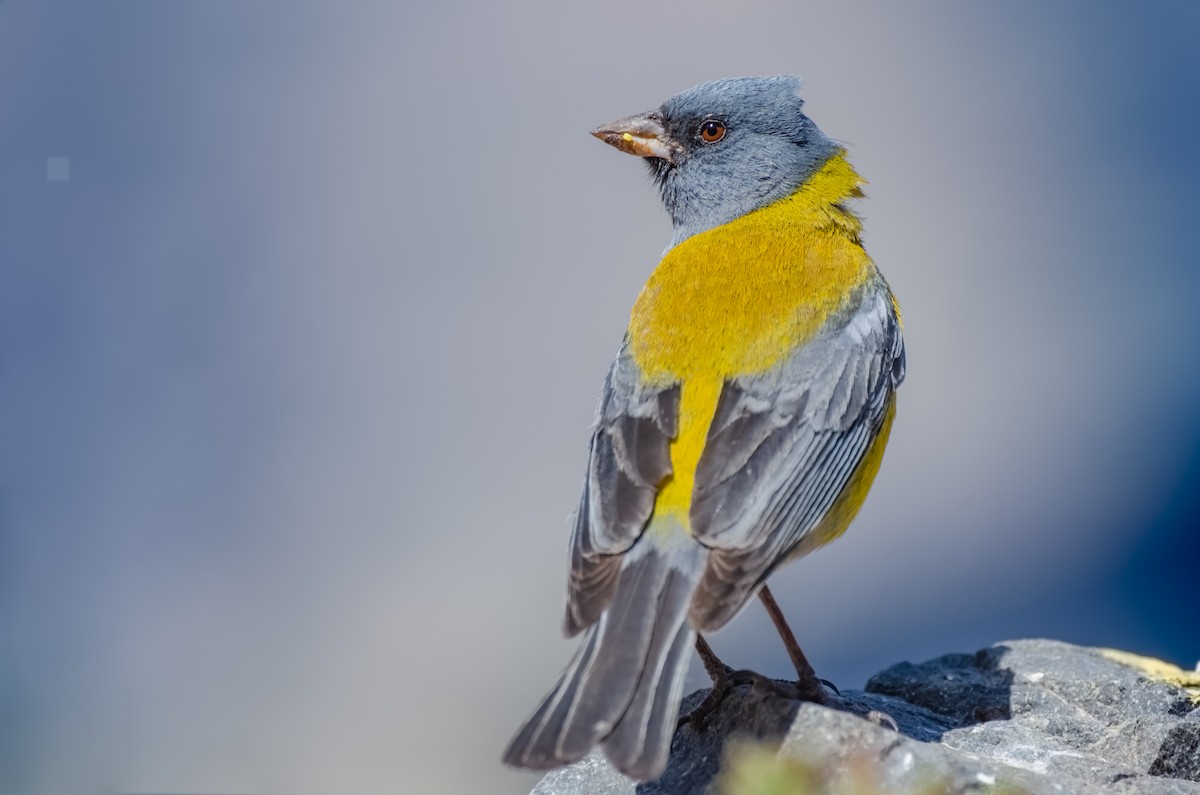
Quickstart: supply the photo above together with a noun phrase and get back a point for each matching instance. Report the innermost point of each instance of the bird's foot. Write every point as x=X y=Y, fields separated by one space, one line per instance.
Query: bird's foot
x=812 y=688
x=698 y=718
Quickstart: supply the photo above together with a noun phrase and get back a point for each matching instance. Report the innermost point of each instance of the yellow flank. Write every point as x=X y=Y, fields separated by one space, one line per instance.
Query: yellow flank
x=739 y=298
x=697 y=404
x=846 y=506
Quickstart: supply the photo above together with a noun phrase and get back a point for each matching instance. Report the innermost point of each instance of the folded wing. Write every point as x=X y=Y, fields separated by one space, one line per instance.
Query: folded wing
x=785 y=445
x=628 y=458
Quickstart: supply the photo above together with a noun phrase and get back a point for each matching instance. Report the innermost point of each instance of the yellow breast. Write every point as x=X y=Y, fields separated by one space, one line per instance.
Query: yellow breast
x=738 y=299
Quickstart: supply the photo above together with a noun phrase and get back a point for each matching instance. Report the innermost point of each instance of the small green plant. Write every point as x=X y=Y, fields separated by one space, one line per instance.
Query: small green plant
x=758 y=769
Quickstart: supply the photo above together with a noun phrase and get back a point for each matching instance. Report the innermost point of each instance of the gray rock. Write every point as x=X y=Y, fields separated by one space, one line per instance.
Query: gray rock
x=592 y=774
x=1071 y=715
x=1031 y=716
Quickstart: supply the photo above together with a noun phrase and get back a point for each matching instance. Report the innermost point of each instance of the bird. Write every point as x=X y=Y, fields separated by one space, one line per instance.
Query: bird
x=742 y=422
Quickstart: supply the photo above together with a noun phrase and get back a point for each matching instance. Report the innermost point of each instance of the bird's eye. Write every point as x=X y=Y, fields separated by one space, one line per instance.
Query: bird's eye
x=712 y=131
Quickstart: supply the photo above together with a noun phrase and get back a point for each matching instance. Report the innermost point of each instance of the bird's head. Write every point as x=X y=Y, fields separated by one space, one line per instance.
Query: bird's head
x=725 y=148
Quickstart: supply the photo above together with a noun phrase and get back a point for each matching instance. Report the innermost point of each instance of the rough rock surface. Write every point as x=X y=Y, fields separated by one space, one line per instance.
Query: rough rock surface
x=1030 y=716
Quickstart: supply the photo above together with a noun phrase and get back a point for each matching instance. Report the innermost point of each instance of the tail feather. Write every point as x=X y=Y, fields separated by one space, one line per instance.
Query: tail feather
x=641 y=742
x=536 y=743
x=625 y=633
x=622 y=688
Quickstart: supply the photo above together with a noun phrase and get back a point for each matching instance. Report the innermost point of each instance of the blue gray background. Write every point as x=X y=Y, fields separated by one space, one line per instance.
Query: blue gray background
x=299 y=353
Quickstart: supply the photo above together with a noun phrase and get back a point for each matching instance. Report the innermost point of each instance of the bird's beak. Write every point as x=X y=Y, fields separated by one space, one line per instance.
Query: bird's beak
x=642 y=135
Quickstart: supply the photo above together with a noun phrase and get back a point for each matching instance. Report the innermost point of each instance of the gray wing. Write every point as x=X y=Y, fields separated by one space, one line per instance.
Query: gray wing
x=628 y=458
x=783 y=446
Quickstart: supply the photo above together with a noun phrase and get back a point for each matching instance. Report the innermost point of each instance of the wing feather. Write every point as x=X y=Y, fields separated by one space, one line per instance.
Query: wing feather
x=783 y=446
x=629 y=456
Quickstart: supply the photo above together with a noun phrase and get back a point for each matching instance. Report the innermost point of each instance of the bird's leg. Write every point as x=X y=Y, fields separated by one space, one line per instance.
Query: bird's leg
x=723 y=678
x=716 y=670
x=719 y=673
x=810 y=686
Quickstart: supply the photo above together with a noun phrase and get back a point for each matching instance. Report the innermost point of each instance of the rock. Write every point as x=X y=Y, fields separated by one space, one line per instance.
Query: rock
x=592 y=774
x=1032 y=716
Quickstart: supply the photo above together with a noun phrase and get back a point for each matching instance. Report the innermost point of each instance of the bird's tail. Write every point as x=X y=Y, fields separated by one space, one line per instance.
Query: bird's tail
x=623 y=687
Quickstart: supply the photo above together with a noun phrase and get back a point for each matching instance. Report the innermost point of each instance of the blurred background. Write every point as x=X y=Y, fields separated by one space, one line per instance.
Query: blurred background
x=305 y=308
